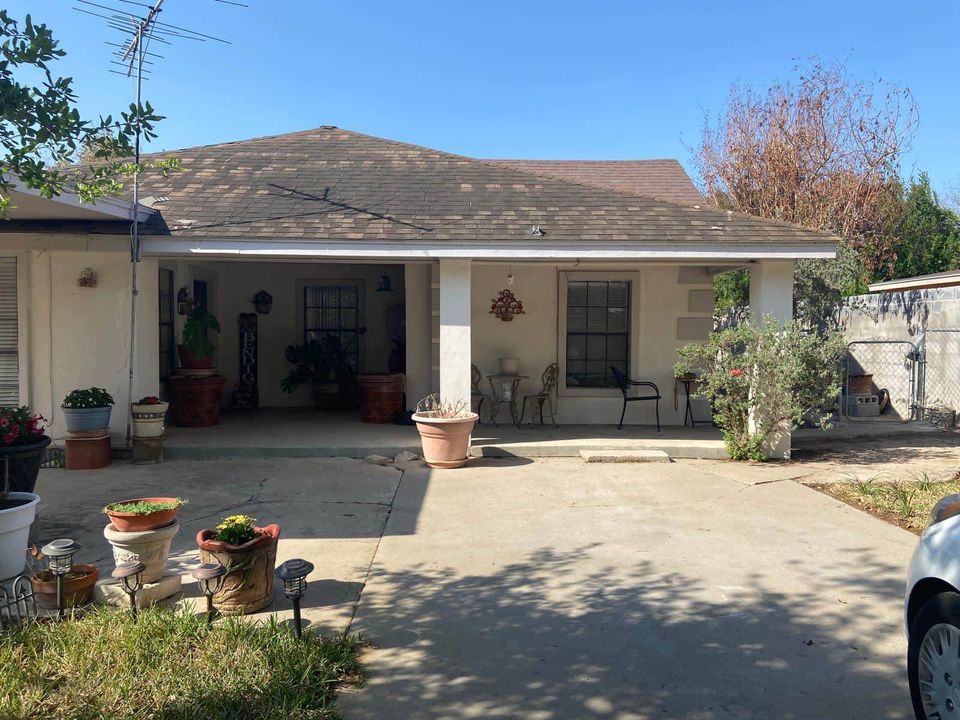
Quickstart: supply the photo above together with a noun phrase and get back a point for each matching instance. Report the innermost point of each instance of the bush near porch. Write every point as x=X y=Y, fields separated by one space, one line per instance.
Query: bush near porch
x=780 y=375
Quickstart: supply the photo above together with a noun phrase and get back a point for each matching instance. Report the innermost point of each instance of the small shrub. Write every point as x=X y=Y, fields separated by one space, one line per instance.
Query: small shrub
x=90 y=398
x=433 y=407
x=196 y=330
x=236 y=530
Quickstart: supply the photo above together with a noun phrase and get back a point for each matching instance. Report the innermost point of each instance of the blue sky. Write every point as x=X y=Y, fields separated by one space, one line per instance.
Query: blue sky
x=604 y=79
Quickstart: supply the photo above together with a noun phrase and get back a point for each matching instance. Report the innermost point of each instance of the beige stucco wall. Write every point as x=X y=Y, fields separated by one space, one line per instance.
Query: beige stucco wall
x=80 y=337
x=661 y=296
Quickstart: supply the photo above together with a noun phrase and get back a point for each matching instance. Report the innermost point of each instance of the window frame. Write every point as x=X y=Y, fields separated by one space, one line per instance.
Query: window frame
x=172 y=324
x=633 y=327
x=302 y=284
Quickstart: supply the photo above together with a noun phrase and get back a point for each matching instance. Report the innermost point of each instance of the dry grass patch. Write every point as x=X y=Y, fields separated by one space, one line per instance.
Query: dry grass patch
x=906 y=502
x=169 y=665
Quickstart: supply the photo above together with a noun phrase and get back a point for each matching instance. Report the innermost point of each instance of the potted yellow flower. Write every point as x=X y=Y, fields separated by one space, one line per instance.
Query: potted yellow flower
x=249 y=553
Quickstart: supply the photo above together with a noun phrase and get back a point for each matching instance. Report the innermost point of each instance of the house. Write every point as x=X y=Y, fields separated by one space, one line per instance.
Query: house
x=408 y=247
x=950 y=278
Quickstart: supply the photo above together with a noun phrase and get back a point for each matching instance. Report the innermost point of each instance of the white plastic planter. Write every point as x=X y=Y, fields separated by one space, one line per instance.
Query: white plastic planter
x=15 y=525
x=151 y=547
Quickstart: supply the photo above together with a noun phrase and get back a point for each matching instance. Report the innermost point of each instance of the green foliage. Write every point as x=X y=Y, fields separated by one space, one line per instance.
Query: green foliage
x=318 y=362
x=928 y=234
x=731 y=290
x=169 y=664
x=41 y=130
x=20 y=426
x=90 y=398
x=196 y=331
x=780 y=376
x=143 y=507
x=236 y=530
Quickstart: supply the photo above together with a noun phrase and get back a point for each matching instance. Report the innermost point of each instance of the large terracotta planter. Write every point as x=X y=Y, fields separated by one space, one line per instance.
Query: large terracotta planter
x=132 y=522
x=17 y=513
x=248 y=584
x=151 y=547
x=445 y=441
x=189 y=361
x=23 y=463
x=196 y=400
x=77 y=589
x=381 y=397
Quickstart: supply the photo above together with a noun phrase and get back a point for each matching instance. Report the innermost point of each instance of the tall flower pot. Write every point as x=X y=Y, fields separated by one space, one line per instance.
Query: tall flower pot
x=248 y=584
x=196 y=400
x=84 y=420
x=381 y=397
x=77 y=588
x=17 y=513
x=21 y=464
x=151 y=547
x=148 y=420
x=189 y=361
x=445 y=441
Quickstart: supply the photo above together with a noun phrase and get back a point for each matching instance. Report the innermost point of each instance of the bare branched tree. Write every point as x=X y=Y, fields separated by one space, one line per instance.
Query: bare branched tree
x=823 y=152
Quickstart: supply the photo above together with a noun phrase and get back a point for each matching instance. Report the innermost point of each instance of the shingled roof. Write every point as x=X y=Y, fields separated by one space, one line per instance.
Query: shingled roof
x=330 y=184
x=660 y=179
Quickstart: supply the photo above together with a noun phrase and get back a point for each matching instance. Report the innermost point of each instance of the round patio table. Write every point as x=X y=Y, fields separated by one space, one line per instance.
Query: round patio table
x=504 y=390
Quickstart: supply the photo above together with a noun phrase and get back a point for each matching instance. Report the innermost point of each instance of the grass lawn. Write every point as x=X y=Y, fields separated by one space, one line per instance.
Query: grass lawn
x=169 y=666
x=903 y=502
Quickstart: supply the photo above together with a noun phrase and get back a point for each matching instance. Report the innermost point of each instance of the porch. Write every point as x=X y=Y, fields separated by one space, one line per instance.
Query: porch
x=304 y=432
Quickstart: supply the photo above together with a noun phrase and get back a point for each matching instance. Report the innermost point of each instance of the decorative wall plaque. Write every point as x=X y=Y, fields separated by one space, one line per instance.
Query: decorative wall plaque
x=506 y=305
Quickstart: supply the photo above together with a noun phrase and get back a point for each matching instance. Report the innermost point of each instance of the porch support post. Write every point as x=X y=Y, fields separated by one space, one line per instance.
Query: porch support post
x=455 y=350
x=771 y=295
x=418 y=329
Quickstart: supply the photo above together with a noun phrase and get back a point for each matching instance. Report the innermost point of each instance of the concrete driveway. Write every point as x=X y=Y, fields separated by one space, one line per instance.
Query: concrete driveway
x=553 y=589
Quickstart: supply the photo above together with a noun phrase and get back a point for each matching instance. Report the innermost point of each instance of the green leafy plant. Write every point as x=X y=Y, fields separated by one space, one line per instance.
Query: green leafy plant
x=144 y=507
x=763 y=380
x=90 y=398
x=318 y=362
x=236 y=530
x=196 y=331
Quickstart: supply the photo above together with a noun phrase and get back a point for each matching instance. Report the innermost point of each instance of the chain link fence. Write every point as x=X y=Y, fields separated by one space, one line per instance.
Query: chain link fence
x=940 y=376
x=880 y=380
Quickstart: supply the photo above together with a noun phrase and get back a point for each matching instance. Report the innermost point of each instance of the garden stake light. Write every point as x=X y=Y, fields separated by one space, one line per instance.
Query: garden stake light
x=209 y=577
x=59 y=554
x=129 y=573
x=293 y=574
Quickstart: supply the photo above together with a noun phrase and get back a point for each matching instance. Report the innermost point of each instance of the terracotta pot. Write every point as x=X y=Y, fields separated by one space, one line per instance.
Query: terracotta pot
x=248 y=585
x=133 y=522
x=189 y=361
x=151 y=547
x=381 y=397
x=196 y=400
x=445 y=441
x=76 y=591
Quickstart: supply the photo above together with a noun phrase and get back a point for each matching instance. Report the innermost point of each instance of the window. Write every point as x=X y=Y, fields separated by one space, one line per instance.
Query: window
x=167 y=331
x=598 y=331
x=9 y=350
x=331 y=315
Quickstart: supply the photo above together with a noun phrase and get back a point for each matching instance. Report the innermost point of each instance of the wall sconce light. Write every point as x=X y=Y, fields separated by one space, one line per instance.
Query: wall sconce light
x=293 y=574
x=209 y=577
x=384 y=284
x=129 y=574
x=59 y=554
x=263 y=301
x=88 y=278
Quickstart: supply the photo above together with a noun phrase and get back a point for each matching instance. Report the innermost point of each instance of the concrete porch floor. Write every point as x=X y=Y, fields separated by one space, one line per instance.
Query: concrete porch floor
x=295 y=432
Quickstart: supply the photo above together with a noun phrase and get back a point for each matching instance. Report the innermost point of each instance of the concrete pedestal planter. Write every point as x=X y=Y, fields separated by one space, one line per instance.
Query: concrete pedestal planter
x=445 y=440
x=151 y=547
x=248 y=584
x=22 y=464
x=77 y=588
x=149 y=419
x=17 y=513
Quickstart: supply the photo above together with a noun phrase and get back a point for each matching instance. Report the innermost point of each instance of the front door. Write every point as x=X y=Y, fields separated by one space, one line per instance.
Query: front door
x=331 y=315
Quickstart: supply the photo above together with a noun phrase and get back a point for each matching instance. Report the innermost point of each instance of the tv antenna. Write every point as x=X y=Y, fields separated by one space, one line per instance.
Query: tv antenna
x=139 y=29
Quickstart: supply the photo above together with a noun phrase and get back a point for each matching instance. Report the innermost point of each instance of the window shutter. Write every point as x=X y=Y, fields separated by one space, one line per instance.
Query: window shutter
x=9 y=354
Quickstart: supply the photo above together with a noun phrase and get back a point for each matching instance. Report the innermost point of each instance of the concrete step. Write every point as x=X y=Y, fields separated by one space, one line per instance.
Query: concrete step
x=624 y=456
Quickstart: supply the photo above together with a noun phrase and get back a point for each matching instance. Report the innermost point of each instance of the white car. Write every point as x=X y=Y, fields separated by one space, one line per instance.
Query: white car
x=932 y=614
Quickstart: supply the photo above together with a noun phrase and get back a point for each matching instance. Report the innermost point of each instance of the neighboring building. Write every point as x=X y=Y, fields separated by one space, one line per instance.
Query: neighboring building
x=951 y=278
x=613 y=262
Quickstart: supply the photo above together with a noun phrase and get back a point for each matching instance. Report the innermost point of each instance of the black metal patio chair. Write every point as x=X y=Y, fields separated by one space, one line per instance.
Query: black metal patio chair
x=626 y=385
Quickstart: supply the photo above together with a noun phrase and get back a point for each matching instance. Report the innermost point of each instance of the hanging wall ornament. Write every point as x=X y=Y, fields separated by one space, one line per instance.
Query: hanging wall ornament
x=506 y=305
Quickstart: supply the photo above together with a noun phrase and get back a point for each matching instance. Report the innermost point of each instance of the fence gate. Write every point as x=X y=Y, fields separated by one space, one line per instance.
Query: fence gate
x=881 y=381
x=940 y=374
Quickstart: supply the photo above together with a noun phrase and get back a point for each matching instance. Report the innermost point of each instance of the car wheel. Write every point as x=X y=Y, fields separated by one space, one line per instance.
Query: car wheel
x=933 y=658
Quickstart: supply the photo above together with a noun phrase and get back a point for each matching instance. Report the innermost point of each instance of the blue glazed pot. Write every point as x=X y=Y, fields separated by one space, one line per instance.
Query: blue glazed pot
x=87 y=419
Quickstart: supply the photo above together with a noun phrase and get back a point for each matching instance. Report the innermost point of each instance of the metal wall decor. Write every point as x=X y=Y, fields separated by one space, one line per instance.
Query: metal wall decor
x=506 y=305
x=247 y=394
x=263 y=302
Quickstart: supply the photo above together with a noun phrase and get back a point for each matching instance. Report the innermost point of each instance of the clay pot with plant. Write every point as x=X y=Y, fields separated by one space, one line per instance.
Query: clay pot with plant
x=249 y=554
x=195 y=350
x=23 y=440
x=444 y=429
x=77 y=587
x=143 y=513
x=87 y=412
x=148 y=415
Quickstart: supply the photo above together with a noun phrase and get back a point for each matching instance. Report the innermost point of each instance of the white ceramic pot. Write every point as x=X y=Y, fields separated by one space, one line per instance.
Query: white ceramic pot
x=15 y=525
x=151 y=547
x=509 y=366
x=149 y=420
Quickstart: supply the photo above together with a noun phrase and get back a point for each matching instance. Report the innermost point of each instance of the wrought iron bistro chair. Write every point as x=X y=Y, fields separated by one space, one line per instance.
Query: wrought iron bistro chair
x=476 y=397
x=547 y=387
x=626 y=384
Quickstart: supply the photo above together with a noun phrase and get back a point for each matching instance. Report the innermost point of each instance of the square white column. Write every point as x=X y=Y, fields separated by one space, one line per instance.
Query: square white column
x=455 y=350
x=771 y=295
